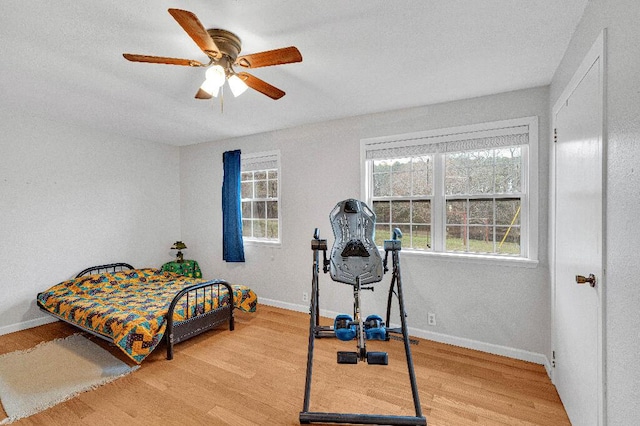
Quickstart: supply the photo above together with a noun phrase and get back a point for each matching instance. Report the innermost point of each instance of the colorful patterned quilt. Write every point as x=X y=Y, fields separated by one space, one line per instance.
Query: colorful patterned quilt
x=131 y=306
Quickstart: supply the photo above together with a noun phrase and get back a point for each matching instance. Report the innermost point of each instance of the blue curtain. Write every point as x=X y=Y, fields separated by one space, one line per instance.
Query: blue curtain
x=232 y=246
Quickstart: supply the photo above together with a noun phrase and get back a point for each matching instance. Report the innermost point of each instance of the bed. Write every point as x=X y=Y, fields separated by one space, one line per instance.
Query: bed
x=136 y=309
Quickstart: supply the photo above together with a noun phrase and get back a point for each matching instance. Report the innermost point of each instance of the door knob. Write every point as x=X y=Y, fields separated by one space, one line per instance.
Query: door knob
x=591 y=279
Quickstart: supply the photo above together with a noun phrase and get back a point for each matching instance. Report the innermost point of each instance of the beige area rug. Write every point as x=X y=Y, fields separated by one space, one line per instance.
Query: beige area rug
x=36 y=379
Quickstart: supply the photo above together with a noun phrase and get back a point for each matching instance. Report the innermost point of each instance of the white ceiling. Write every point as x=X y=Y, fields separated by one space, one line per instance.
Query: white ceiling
x=62 y=60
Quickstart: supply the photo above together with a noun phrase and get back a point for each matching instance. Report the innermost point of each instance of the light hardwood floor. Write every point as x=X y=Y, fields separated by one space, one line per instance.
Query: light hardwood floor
x=255 y=375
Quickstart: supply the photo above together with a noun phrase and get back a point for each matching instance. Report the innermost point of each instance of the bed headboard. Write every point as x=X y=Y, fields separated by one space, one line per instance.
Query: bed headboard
x=111 y=267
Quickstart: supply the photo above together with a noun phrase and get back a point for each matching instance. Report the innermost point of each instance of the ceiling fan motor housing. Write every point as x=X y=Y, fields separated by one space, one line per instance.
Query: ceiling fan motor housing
x=228 y=43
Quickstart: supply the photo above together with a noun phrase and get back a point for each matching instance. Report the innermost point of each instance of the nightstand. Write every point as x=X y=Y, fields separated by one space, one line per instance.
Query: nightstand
x=188 y=268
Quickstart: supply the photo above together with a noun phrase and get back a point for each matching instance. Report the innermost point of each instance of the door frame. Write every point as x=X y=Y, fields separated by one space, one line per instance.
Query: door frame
x=597 y=51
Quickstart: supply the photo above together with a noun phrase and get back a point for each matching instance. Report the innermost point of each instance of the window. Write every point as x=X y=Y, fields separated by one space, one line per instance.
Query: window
x=468 y=191
x=402 y=197
x=260 y=180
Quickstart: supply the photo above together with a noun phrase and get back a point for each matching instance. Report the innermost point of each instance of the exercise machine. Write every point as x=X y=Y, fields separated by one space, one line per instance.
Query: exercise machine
x=354 y=260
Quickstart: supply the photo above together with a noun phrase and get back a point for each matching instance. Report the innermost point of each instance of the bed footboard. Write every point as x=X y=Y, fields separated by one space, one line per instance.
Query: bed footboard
x=178 y=331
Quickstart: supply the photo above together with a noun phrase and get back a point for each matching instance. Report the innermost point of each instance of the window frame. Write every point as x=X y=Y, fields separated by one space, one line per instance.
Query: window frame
x=254 y=160
x=457 y=135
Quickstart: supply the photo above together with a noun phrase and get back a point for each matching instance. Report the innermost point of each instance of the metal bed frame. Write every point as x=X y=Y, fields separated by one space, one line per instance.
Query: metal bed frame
x=176 y=331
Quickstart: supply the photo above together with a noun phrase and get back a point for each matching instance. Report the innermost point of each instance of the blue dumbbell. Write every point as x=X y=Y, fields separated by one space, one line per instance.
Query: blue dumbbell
x=374 y=328
x=344 y=327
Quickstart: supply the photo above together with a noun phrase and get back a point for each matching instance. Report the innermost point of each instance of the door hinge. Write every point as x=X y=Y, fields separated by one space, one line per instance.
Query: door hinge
x=553 y=359
x=555 y=135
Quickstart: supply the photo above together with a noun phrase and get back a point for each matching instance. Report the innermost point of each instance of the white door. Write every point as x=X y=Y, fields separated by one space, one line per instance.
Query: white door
x=577 y=315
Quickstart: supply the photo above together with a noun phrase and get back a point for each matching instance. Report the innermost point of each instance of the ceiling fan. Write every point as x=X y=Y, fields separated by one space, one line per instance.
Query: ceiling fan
x=223 y=49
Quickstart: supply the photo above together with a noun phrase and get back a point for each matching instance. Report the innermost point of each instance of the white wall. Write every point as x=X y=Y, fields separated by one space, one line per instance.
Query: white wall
x=621 y=284
x=497 y=308
x=72 y=198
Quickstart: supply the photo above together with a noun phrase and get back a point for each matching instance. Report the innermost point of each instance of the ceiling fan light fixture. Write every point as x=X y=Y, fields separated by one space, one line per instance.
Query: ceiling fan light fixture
x=210 y=88
x=215 y=76
x=236 y=85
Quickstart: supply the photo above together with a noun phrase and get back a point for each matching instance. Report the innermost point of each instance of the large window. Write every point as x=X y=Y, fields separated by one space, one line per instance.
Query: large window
x=464 y=191
x=260 y=180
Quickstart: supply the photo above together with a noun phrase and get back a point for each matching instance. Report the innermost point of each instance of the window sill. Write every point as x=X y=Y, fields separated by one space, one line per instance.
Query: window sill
x=517 y=262
x=264 y=243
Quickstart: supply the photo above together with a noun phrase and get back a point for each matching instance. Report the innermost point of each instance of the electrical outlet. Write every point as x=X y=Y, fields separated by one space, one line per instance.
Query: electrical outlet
x=305 y=296
x=431 y=318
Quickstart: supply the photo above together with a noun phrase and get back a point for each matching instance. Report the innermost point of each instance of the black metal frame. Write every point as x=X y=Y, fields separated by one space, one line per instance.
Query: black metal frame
x=176 y=331
x=111 y=267
x=318 y=331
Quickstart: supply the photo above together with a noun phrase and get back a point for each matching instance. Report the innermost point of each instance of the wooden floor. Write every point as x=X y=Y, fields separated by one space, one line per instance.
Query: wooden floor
x=255 y=375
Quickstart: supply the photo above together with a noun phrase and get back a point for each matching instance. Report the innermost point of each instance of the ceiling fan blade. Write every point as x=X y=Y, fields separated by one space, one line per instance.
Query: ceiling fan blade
x=261 y=86
x=286 y=55
x=192 y=25
x=161 y=60
x=203 y=94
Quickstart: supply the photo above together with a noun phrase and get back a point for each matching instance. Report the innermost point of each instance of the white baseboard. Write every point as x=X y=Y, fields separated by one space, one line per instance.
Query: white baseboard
x=26 y=324
x=491 y=348
x=295 y=307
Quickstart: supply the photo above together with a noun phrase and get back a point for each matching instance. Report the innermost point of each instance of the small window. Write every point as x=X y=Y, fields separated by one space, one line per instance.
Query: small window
x=260 y=180
x=465 y=191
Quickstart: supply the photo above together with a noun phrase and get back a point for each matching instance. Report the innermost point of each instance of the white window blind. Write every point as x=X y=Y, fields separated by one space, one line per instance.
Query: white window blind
x=467 y=141
x=260 y=161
